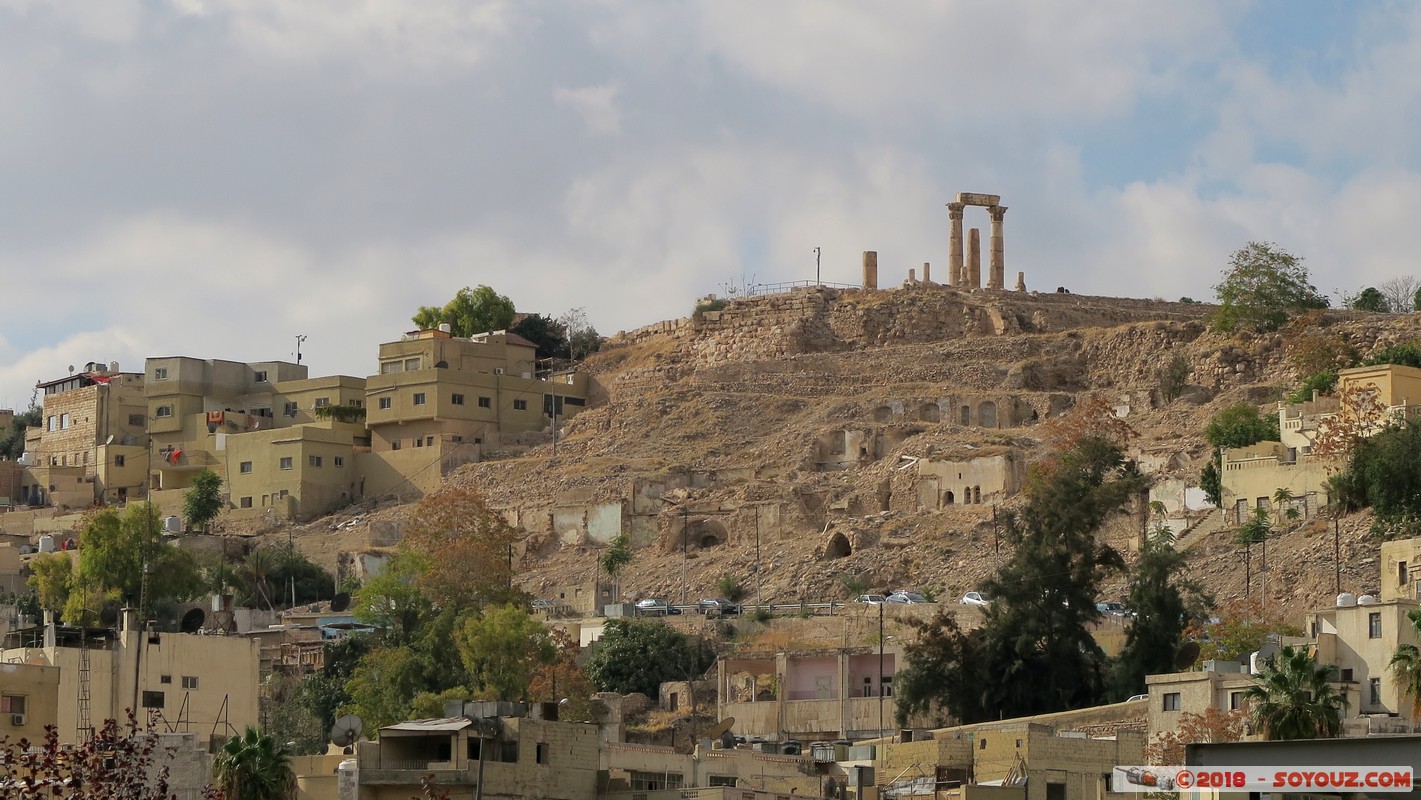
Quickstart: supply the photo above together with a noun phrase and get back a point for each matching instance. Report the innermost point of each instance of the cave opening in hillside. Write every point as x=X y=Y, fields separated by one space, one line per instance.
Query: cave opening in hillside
x=838 y=547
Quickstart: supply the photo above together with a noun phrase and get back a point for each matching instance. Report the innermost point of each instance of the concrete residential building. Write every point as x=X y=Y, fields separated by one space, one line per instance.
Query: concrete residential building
x=1219 y=685
x=809 y=695
x=302 y=471
x=29 y=700
x=89 y=418
x=205 y=685
x=498 y=744
x=1360 y=638
x=437 y=390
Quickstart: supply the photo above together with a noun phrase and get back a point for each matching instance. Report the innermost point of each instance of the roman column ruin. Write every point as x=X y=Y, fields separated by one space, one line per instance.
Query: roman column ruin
x=974 y=259
x=954 y=244
x=997 y=278
x=927 y=272
x=870 y=270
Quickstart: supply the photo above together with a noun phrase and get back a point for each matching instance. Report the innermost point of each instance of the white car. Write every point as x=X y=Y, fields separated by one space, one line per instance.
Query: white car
x=975 y=599
x=870 y=599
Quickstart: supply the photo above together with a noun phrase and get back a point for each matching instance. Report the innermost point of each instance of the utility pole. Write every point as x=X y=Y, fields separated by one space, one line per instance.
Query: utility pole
x=300 y=337
x=1336 y=554
x=817 y=253
x=881 y=727
x=685 y=549
x=759 y=571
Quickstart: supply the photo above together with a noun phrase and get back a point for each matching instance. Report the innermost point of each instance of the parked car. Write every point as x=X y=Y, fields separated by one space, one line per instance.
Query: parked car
x=905 y=598
x=1138 y=697
x=655 y=607
x=1113 y=609
x=718 y=605
x=975 y=599
x=870 y=599
x=544 y=605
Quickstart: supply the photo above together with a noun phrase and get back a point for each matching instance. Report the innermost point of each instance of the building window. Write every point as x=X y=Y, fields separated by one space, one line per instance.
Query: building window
x=1171 y=701
x=12 y=704
x=286 y=462
x=485 y=402
x=418 y=442
x=246 y=502
x=1402 y=574
x=118 y=461
x=189 y=681
x=655 y=781
x=721 y=780
x=163 y=411
x=314 y=461
x=245 y=468
x=885 y=686
x=394 y=444
x=457 y=399
x=165 y=678
x=411 y=364
x=64 y=422
x=542 y=752
x=1374 y=625
x=1374 y=691
x=429 y=441
x=1235 y=701
x=389 y=367
x=520 y=405
x=322 y=402
x=338 y=461
x=289 y=409
x=384 y=403
x=160 y=373
x=152 y=699
x=419 y=398
x=261 y=376
x=135 y=420
x=50 y=423
x=1346 y=675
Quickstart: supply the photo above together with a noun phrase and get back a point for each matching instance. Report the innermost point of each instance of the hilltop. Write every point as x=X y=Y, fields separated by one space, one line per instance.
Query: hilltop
x=805 y=420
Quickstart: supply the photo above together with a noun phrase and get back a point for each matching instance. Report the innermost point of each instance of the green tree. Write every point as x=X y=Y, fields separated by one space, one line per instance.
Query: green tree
x=12 y=439
x=1034 y=653
x=382 y=686
x=1240 y=425
x=1262 y=286
x=1370 y=299
x=501 y=649
x=114 y=551
x=547 y=333
x=614 y=559
x=391 y=601
x=254 y=767
x=1282 y=504
x=944 y=674
x=1416 y=300
x=1406 y=355
x=1157 y=596
x=639 y=655
x=470 y=312
x=1405 y=665
x=730 y=588
x=1322 y=383
x=1174 y=378
x=1386 y=472
x=50 y=576
x=323 y=693
x=289 y=720
x=582 y=339
x=1293 y=698
x=202 y=502
x=1211 y=482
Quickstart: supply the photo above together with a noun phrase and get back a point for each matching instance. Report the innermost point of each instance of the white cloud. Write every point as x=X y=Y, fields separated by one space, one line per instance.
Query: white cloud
x=597 y=105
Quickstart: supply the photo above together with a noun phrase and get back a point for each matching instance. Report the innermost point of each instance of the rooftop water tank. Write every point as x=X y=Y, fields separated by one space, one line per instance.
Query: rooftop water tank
x=46 y=543
x=172 y=524
x=1346 y=600
x=1367 y=600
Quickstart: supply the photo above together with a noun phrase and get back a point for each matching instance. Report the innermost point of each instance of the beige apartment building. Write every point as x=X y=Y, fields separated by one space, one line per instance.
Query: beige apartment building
x=809 y=695
x=436 y=390
x=300 y=471
x=205 y=685
x=78 y=455
x=1252 y=474
x=29 y=700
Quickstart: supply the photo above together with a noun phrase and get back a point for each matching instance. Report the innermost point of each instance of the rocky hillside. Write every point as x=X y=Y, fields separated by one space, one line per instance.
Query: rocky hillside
x=805 y=424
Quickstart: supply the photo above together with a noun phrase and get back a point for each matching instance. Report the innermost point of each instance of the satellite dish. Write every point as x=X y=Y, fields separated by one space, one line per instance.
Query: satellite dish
x=1187 y=655
x=109 y=440
x=346 y=731
x=71 y=369
x=341 y=601
x=192 y=621
x=715 y=731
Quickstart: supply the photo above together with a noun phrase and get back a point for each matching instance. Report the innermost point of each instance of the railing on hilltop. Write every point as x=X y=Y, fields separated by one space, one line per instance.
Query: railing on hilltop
x=788 y=286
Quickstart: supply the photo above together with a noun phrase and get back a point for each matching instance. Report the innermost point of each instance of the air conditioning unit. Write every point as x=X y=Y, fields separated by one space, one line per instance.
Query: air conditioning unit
x=17 y=720
x=498 y=370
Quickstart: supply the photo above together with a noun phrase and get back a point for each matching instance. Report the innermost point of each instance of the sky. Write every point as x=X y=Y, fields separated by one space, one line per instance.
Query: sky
x=214 y=178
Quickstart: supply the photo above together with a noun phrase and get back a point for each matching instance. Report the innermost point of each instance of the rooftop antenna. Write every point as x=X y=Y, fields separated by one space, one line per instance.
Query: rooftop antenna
x=300 y=337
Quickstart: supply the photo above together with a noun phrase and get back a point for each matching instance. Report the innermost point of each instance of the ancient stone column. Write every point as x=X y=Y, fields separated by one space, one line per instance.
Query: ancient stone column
x=997 y=279
x=912 y=275
x=870 y=270
x=927 y=273
x=954 y=245
x=974 y=259
x=1021 y=281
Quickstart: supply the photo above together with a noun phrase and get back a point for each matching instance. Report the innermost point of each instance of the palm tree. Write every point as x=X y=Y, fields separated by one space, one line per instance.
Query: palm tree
x=1405 y=665
x=1282 y=502
x=253 y=767
x=1294 y=698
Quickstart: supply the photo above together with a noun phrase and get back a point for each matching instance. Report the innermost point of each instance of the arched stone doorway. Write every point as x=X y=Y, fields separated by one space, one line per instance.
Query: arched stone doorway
x=838 y=546
x=929 y=412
